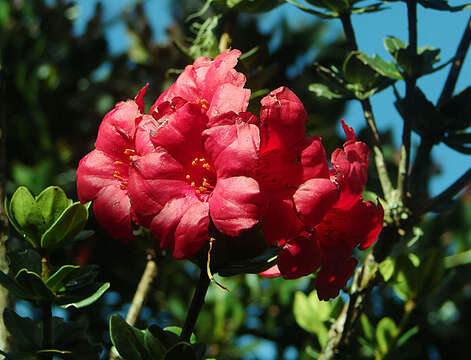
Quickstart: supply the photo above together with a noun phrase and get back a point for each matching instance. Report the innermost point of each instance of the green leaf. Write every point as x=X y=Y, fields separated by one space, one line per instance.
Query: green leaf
x=386 y=268
x=336 y=6
x=311 y=11
x=324 y=91
x=406 y=283
x=66 y=227
x=407 y=335
x=179 y=351
x=178 y=330
x=124 y=339
x=367 y=328
x=310 y=314
x=169 y=337
x=26 y=332
x=58 y=280
x=24 y=210
x=24 y=259
x=90 y=299
x=368 y=9
x=205 y=44
x=393 y=45
x=385 y=333
x=10 y=284
x=250 y=6
x=154 y=347
x=382 y=67
x=52 y=201
x=442 y=5
x=458 y=109
x=33 y=285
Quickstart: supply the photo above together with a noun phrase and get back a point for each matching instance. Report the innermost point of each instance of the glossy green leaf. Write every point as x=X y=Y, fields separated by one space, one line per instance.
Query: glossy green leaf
x=168 y=337
x=382 y=67
x=458 y=109
x=250 y=6
x=181 y=350
x=58 y=280
x=25 y=259
x=52 y=201
x=336 y=6
x=124 y=339
x=90 y=299
x=153 y=346
x=325 y=92
x=10 y=284
x=406 y=283
x=368 y=9
x=66 y=227
x=407 y=335
x=177 y=331
x=311 y=11
x=310 y=314
x=386 y=268
x=26 y=214
x=26 y=332
x=386 y=330
x=393 y=45
x=367 y=327
x=33 y=285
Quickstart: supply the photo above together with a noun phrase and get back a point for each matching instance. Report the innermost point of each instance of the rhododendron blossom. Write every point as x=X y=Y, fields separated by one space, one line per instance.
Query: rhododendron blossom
x=102 y=175
x=200 y=160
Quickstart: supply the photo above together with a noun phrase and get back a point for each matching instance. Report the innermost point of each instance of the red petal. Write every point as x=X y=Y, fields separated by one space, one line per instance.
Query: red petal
x=299 y=257
x=147 y=128
x=314 y=199
x=112 y=210
x=282 y=117
x=228 y=97
x=116 y=132
x=180 y=133
x=314 y=159
x=232 y=149
x=333 y=277
x=192 y=231
x=139 y=99
x=272 y=272
x=279 y=218
x=367 y=222
x=235 y=204
x=154 y=179
x=95 y=171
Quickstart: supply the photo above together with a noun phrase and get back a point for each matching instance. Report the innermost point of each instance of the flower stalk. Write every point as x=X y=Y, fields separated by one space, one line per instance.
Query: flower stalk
x=195 y=307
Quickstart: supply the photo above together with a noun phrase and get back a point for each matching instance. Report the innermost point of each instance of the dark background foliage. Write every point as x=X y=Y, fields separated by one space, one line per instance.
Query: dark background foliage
x=57 y=86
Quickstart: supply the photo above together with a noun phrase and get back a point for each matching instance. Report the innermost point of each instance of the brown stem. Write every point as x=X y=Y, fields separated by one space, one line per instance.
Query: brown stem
x=369 y=117
x=143 y=289
x=404 y=162
x=455 y=69
x=195 y=307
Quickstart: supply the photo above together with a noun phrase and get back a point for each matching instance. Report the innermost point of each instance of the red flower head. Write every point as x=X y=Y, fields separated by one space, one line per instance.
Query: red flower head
x=194 y=173
x=102 y=175
x=293 y=172
x=214 y=84
x=334 y=225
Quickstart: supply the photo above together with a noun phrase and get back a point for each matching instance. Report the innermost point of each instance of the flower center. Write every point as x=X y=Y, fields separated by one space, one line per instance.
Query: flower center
x=203 y=103
x=121 y=171
x=201 y=177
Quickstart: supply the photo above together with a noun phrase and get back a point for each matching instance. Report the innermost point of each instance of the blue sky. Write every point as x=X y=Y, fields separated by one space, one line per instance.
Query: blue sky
x=436 y=28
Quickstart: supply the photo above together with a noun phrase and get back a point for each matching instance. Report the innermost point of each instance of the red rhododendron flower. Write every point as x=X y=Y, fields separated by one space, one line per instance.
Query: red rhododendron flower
x=293 y=172
x=214 y=84
x=195 y=173
x=333 y=229
x=102 y=175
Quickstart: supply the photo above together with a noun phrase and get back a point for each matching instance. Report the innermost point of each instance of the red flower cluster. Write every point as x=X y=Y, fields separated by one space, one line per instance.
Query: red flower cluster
x=200 y=158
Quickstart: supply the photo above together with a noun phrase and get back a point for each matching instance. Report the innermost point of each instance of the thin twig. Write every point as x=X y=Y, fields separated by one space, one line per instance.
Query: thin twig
x=369 y=116
x=195 y=307
x=455 y=69
x=143 y=289
x=404 y=161
x=446 y=195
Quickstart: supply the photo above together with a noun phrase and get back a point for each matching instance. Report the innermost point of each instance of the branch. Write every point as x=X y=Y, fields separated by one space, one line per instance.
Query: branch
x=446 y=195
x=450 y=83
x=142 y=292
x=369 y=117
x=404 y=161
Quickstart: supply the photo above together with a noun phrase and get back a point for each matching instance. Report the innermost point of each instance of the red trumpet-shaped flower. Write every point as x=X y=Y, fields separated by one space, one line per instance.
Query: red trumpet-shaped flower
x=333 y=228
x=194 y=174
x=102 y=175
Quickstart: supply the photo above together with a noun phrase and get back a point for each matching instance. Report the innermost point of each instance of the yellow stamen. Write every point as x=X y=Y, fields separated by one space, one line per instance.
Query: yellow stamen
x=193 y=183
x=198 y=191
x=117 y=162
x=202 y=188
x=201 y=159
x=129 y=151
x=187 y=177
